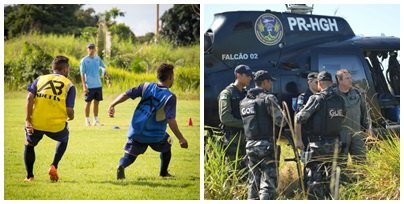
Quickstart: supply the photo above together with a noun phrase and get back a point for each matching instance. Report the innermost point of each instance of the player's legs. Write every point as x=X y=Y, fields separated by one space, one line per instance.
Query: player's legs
x=60 y=150
x=132 y=150
x=165 y=158
x=88 y=97
x=124 y=162
x=29 y=160
x=95 y=110
x=62 y=137
x=164 y=147
x=87 y=113
x=97 y=99
x=29 y=152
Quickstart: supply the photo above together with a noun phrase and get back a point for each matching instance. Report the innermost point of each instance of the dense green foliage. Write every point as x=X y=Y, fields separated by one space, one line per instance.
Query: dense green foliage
x=32 y=63
x=87 y=170
x=28 y=56
x=47 y=18
x=180 y=24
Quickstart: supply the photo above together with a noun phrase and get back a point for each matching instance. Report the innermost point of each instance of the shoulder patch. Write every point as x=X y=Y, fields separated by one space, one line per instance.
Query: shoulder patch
x=223 y=96
x=273 y=98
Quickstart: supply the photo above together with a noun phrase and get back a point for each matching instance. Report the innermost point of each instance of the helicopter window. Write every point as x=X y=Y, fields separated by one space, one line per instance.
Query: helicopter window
x=332 y=63
x=244 y=25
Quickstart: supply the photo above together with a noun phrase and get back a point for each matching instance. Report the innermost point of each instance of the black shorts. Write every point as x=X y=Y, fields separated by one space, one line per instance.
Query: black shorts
x=135 y=148
x=93 y=94
x=62 y=136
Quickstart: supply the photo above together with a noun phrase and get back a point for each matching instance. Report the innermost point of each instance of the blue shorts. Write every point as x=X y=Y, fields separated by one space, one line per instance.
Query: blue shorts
x=135 y=148
x=93 y=94
x=62 y=136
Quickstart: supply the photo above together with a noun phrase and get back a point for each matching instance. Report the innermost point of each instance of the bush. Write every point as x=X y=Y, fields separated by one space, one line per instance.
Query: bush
x=129 y=64
x=33 y=62
x=187 y=78
x=138 y=65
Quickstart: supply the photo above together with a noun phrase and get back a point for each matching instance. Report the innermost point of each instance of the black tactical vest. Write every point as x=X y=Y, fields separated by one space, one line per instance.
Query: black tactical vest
x=256 y=119
x=236 y=97
x=326 y=122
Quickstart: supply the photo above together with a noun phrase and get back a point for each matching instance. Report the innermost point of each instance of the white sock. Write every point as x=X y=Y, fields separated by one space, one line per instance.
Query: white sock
x=87 y=119
x=95 y=118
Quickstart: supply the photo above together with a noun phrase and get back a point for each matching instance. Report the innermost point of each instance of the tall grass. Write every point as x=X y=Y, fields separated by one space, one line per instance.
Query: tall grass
x=184 y=87
x=52 y=44
x=222 y=180
x=185 y=59
x=378 y=178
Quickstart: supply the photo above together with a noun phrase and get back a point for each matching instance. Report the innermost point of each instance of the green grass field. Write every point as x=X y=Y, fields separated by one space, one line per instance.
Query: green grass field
x=88 y=167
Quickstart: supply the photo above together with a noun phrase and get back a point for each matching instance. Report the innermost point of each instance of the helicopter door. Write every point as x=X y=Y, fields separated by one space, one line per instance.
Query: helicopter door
x=333 y=62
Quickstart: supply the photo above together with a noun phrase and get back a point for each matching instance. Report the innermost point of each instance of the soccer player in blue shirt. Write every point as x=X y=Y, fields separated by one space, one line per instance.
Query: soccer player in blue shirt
x=156 y=108
x=90 y=67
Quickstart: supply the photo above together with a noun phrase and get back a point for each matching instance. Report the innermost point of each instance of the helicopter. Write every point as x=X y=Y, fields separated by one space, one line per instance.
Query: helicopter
x=292 y=44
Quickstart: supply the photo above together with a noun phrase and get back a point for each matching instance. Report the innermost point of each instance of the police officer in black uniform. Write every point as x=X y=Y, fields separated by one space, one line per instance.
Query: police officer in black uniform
x=229 y=114
x=323 y=114
x=302 y=100
x=260 y=112
x=301 y=137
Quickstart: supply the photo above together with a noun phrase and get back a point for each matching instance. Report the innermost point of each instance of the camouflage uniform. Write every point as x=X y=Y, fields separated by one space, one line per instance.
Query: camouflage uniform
x=260 y=112
x=357 y=120
x=301 y=101
x=324 y=116
x=232 y=125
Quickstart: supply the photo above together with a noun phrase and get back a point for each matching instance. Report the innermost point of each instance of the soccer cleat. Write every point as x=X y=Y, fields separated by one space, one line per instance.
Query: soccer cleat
x=167 y=175
x=87 y=123
x=97 y=123
x=120 y=173
x=29 y=179
x=53 y=174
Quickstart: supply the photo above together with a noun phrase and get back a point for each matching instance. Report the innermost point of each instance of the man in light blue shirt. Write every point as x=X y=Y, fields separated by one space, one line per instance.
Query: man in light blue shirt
x=91 y=68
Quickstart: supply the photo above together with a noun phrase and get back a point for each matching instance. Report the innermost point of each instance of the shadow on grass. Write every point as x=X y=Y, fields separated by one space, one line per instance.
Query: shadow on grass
x=148 y=181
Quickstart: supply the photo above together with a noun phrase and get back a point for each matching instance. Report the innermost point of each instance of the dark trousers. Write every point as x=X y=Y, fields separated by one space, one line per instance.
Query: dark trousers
x=318 y=170
x=262 y=174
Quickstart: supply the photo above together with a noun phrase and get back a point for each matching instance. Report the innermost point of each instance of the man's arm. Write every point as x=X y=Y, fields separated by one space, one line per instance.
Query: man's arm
x=225 y=115
x=298 y=135
x=28 y=110
x=70 y=113
x=278 y=116
x=83 y=77
x=365 y=116
x=172 y=123
x=71 y=96
x=308 y=110
x=121 y=98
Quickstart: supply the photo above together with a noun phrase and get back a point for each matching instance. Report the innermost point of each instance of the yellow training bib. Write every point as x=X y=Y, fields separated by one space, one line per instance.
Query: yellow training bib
x=49 y=111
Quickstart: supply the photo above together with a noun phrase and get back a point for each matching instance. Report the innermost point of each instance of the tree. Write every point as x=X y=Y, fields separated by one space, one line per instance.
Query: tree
x=146 y=38
x=46 y=18
x=180 y=24
x=109 y=16
x=86 y=17
x=122 y=32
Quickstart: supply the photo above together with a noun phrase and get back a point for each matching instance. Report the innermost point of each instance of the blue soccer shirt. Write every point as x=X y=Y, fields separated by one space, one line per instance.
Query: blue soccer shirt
x=90 y=68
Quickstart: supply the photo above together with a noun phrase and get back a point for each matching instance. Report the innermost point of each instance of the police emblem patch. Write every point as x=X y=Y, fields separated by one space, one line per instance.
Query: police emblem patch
x=268 y=29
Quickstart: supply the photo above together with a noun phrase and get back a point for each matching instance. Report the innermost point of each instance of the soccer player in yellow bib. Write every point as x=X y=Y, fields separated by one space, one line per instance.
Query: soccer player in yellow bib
x=49 y=106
